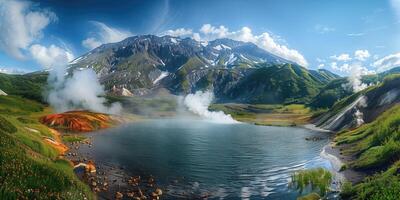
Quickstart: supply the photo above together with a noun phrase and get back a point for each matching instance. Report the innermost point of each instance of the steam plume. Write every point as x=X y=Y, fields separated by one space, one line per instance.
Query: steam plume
x=359 y=116
x=81 y=90
x=355 y=78
x=198 y=103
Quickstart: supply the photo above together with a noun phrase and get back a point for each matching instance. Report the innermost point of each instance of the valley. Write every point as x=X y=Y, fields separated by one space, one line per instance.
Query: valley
x=260 y=96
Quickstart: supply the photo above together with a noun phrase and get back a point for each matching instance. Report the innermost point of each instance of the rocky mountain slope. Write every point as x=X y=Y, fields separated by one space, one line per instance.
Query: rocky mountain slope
x=362 y=107
x=141 y=63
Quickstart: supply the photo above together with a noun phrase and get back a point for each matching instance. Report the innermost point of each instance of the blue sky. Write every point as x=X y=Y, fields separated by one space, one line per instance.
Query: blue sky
x=316 y=33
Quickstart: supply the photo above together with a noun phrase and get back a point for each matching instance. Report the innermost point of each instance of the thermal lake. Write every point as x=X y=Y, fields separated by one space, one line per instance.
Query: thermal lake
x=223 y=161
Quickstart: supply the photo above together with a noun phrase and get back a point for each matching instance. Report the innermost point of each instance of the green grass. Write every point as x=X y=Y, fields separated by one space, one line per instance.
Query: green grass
x=73 y=138
x=29 y=167
x=29 y=86
x=6 y=126
x=267 y=114
x=381 y=186
x=311 y=196
x=316 y=180
x=376 y=145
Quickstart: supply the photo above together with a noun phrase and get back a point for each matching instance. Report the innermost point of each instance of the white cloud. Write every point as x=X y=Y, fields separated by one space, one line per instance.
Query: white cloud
x=387 y=62
x=265 y=40
x=321 y=29
x=334 y=66
x=12 y=70
x=21 y=25
x=355 y=34
x=320 y=66
x=341 y=57
x=361 y=55
x=180 y=32
x=104 y=34
x=50 y=57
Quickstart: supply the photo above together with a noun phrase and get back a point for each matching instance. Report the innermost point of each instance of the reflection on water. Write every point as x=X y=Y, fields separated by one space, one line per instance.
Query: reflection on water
x=202 y=159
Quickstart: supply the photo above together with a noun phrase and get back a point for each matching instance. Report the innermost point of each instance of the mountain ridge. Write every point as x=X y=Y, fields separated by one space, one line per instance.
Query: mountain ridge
x=183 y=65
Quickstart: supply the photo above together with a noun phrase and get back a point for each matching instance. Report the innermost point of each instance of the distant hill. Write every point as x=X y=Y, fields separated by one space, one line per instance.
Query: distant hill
x=30 y=86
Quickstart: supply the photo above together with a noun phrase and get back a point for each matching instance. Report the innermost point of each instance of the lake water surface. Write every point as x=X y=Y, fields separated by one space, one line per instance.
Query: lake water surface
x=225 y=161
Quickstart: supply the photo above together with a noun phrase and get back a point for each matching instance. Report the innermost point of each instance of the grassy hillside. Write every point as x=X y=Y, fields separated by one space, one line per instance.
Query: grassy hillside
x=30 y=167
x=264 y=114
x=375 y=100
x=339 y=89
x=277 y=84
x=374 y=148
x=29 y=86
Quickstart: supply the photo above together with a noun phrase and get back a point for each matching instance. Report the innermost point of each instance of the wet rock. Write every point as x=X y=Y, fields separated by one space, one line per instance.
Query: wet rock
x=158 y=192
x=130 y=194
x=119 y=195
x=315 y=138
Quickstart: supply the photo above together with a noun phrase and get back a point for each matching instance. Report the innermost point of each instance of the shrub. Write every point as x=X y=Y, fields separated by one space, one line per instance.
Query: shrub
x=318 y=180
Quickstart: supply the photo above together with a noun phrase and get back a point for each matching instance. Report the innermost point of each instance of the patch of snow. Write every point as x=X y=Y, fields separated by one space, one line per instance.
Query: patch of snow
x=204 y=43
x=180 y=68
x=162 y=62
x=218 y=47
x=2 y=93
x=173 y=40
x=76 y=60
x=243 y=57
x=159 y=78
x=225 y=47
x=232 y=58
x=215 y=54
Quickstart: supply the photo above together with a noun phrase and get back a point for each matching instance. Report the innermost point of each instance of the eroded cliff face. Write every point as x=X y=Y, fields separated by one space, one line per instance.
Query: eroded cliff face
x=362 y=107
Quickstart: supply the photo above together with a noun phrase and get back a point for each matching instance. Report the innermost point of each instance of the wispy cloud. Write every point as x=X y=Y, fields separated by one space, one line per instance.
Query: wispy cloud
x=355 y=34
x=387 y=62
x=396 y=7
x=12 y=70
x=104 y=34
x=341 y=57
x=322 y=29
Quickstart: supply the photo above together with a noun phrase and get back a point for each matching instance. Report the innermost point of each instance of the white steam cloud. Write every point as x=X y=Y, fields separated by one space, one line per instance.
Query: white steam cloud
x=82 y=90
x=356 y=71
x=198 y=104
x=358 y=115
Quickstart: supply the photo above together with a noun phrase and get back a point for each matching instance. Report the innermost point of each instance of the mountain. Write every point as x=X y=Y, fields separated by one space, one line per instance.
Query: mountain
x=141 y=64
x=339 y=88
x=288 y=83
x=362 y=107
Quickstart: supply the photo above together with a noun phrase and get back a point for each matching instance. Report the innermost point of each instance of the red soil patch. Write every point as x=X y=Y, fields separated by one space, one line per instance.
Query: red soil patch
x=79 y=121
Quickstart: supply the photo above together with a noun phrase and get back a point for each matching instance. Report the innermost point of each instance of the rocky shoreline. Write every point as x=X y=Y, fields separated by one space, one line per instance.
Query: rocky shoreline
x=109 y=181
x=332 y=153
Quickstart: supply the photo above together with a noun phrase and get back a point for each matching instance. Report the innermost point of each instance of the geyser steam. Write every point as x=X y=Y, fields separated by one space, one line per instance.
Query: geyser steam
x=80 y=91
x=198 y=103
